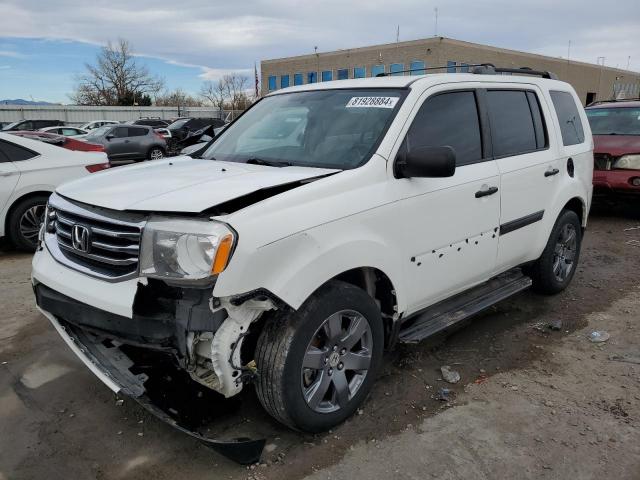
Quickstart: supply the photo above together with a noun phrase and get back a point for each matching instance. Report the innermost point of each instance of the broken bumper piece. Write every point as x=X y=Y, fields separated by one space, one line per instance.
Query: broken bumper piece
x=114 y=368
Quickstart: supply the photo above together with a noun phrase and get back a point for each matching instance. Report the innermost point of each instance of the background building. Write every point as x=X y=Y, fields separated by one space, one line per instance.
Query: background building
x=590 y=81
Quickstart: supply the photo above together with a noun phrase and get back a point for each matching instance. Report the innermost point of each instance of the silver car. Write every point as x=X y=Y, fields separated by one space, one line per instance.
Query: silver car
x=129 y=142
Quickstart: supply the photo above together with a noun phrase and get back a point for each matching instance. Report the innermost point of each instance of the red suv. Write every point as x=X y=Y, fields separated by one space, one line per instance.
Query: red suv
x=615 y=126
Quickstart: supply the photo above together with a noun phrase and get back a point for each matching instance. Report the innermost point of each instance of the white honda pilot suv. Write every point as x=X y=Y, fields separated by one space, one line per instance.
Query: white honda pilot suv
x=328 y=222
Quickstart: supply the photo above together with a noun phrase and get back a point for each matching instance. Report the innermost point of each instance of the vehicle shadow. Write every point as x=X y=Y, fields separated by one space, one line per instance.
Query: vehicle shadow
x=618 y=207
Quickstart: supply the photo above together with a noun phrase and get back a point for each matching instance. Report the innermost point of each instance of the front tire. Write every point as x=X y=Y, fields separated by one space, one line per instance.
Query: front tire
x=24 y=222
x=317 y=365
x=555 y=268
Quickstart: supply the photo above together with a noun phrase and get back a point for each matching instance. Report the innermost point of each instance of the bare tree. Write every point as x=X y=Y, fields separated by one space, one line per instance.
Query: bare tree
x=229 y=92
x=215 y=93
x=177 y=98
x=115 y=78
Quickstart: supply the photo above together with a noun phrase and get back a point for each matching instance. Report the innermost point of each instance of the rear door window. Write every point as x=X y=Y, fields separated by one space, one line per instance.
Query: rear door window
x=137 y=131
x=449 y=119
x=512 y=123
x=16 y=153
x=568 y=117
x=120 y=132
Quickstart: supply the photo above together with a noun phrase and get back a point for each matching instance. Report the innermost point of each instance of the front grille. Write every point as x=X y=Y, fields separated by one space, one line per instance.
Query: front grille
x=601 y=161
x=111 y=248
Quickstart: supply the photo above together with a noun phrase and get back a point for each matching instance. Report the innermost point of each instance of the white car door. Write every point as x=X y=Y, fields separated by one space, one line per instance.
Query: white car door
x=525 y=147
x=447 y=227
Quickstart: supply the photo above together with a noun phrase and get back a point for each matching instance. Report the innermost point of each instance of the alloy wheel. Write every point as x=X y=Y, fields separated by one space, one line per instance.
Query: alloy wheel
x=336 y=361
x=156 y=154
x=30 y=222
x=565 y=252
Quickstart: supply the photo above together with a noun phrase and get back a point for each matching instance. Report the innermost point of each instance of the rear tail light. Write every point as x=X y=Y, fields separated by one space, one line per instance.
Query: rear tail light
x=159 y=135
x=97 y=167
x=89 y=147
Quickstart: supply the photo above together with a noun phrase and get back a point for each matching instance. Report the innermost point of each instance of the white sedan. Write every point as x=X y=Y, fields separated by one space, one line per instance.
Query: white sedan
x=66 y=131
x=29 y=172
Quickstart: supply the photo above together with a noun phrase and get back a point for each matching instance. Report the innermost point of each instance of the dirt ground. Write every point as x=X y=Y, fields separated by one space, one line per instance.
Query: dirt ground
x=532 y=403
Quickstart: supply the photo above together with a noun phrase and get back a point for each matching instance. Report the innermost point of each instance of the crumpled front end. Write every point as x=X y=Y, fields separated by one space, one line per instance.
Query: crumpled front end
x=134 y=332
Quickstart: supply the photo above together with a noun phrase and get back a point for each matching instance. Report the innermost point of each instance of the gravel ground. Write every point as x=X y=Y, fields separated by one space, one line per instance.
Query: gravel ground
x=532 y=403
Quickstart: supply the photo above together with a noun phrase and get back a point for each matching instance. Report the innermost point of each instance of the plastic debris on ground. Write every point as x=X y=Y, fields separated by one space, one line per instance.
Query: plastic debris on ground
x=598 y=336
x=448 y=375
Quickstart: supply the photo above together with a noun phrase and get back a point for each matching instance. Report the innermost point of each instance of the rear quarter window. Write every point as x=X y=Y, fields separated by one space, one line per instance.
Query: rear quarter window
x=567 y=112
x=15 y=153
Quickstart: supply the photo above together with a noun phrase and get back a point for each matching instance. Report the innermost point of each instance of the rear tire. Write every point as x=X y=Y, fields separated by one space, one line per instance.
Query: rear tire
x=317 y=365
x=553 y=271
x=155 y=153
x=24 y=222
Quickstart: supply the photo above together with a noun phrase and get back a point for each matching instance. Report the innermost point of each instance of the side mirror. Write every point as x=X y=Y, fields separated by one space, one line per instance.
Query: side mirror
x=110 y=136
x=432 y=162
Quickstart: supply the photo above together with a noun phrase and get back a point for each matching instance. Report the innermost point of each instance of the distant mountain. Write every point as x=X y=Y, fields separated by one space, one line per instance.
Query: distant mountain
x=20 y=101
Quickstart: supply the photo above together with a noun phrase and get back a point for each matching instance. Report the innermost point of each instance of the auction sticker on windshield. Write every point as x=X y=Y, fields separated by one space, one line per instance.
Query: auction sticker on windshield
x=372 y=102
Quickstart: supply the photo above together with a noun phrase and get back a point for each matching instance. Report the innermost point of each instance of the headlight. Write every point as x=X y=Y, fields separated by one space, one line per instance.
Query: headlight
x=186 y=249
x=628 y=162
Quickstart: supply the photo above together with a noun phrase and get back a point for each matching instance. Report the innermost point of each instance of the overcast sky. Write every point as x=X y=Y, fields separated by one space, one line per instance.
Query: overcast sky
x=44 y=43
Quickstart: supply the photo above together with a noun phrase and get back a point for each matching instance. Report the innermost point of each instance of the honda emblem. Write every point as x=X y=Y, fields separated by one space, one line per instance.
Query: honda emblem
x=80 y=238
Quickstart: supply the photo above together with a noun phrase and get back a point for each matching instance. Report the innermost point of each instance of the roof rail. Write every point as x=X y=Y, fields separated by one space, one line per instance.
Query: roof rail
x=613 y=100
x=480 y=69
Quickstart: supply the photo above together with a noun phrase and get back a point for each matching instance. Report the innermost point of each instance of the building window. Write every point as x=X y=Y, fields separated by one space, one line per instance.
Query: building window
x=451 y=66
x=396 y=69
x=464 y=67
x=284 y=81
x=343 y=74
x=327 y=75
x=272 y=83
x=298 y=79
x=417 y=68
x=376 y=70
x=312 y=77
x=359 y=72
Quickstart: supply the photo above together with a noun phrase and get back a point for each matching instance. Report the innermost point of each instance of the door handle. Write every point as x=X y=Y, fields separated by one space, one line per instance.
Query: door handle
x=552 y=172
x=6 y=174
x=486 y=192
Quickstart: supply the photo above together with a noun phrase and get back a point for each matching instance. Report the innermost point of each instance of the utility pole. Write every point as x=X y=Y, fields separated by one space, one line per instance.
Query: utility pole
x=435 y=30
x=569 y=51
x=398 y=34
x=628 y=61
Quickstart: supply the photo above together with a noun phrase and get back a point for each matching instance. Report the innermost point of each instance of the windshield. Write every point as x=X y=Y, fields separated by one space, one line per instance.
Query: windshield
x=614 y=121
x=98 y=132
x=323 y=128
x=10 y=126
x=178 y=123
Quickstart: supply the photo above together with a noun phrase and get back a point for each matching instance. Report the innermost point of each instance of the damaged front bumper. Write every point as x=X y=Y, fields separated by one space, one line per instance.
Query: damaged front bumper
x=198 y=335
x=112 y=367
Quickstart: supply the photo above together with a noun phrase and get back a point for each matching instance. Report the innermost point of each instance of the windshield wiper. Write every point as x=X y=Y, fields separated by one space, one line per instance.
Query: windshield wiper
x=269 y=163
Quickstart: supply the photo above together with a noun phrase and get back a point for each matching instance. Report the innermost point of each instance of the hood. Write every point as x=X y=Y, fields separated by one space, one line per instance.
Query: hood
x=180 y=184
x=616 y=145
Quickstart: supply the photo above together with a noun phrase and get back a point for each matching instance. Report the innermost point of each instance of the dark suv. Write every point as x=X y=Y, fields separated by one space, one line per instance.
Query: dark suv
x=151 y=122
x=32 y=125
x=129 y=142
x=185 y=127
x=615 y=126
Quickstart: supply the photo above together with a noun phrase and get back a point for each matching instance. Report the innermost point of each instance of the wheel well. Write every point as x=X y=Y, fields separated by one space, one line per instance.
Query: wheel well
x=378 y=285
x=26 y=196
x=576 y=205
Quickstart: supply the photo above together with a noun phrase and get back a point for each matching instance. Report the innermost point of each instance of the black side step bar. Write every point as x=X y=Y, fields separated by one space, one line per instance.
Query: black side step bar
x=444 y=314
